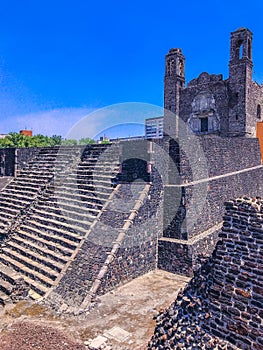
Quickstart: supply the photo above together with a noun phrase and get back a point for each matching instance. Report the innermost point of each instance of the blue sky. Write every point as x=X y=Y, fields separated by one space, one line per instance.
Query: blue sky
x=60 y=60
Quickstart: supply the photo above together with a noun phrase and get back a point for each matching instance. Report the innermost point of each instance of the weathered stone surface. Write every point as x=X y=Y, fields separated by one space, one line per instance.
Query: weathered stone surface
x=214 y=307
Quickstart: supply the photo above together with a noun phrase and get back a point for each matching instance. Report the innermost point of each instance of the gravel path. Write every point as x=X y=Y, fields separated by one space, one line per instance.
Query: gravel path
x=32 y=336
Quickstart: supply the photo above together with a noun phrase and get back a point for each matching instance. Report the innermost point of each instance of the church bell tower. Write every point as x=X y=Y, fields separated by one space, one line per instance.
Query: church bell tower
x=241 y=123
x=174 y=82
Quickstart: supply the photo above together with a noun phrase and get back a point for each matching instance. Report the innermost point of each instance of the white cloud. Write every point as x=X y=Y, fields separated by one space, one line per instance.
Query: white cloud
x=123 y=119
x=50 y=122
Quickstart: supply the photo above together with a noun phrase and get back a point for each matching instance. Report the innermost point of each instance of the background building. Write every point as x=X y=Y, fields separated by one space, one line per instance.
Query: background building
x=154 y=128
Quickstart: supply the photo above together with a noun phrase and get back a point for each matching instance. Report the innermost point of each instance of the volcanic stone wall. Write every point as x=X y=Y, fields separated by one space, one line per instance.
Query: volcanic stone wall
x=222 y=307
x=24 y=156
x=137 y=254
x=7 y=161
x=15 y=159
x=208 y=172
x=227 y=172
x=236 y=296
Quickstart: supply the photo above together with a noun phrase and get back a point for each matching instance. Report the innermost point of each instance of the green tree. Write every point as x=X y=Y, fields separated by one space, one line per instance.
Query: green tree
x=86 y=141
x=69 y=142
x=17 y=140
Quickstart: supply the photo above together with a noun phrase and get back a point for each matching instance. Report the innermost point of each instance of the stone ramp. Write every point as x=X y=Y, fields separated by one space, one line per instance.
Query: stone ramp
x=80 y=284
x=42 y=246
x=4 y=181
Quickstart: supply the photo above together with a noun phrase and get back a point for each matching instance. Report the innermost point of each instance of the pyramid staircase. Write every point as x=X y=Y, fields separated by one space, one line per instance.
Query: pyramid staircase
x=48 y=209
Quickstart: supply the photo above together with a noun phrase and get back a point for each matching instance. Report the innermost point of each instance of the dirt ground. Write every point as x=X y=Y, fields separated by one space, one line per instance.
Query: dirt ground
x=124 y=317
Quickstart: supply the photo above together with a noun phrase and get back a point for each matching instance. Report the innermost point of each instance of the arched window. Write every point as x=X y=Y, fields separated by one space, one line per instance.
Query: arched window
x=240 y=51
x=259 y=112
x=181 y=68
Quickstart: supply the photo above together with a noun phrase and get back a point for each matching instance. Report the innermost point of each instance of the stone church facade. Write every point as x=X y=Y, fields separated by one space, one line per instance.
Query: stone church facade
x=210 y=135
x=209 y=104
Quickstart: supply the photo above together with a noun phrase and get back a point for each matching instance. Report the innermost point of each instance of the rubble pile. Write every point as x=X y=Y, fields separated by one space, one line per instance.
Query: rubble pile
x=181 y=325
x=29 y=336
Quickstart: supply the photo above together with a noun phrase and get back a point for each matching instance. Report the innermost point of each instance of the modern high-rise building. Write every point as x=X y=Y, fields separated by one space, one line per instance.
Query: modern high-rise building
x=154 y=128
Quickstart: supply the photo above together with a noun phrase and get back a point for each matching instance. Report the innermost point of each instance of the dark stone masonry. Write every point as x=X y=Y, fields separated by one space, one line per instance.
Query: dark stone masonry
x=76 y=222
x=209 y=133
x=222 y=306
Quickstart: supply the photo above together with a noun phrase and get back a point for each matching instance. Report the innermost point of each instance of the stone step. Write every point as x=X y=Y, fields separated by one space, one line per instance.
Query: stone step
x=92 y=200
x=68 y=189
x=89 y=213
x=20 y=193
x=14 y=198
x=5 y=220
x=31 y=174
x=99 y=191
x=43 y=241
x=41 y=259
x=91 y=207
x=31 y=189
x=57 y=225
x=34 y=295
x=45 y=166
x=87 y=182
x=7 y=215
x=5 y=286
x=70 y=206
x=29 y=267
x=11 y=275
x=84 y=183
x=88 y=190
x=41 y=212
x=32 y=227
x=100 y=168
x=31 y=180
x=36 y=286
x=97 y=163
x=4 y=298
x=8 y=274
x=53 y=207
x=7 y=211
x=25 y=242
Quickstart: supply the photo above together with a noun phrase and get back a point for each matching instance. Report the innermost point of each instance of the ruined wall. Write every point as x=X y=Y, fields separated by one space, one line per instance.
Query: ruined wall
x=236 y=296
x=24 y=156
x=7 y=161
x=221 y=307
x=15 y=159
